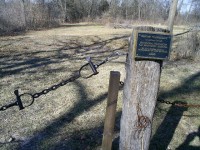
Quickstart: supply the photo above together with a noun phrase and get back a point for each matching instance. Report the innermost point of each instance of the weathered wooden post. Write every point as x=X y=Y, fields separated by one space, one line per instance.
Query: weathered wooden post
x=110 y=110
x=148 y=47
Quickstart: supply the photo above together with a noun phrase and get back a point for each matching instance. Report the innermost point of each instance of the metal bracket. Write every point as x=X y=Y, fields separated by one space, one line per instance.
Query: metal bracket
x=19 y=101
x=94 y=69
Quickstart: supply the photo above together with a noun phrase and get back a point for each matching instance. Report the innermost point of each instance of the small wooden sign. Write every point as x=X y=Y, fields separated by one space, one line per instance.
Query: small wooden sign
x=152 y=45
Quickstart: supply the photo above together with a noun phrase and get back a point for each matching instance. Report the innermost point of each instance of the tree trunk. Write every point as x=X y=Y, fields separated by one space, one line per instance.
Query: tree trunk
x=23 y=13
x=188 y=13
x=172 y=14
x=139 y=99
x=139 y=10
x=62 y=6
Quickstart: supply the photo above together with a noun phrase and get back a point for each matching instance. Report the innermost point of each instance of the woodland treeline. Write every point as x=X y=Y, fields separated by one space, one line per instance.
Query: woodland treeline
x=19 y=15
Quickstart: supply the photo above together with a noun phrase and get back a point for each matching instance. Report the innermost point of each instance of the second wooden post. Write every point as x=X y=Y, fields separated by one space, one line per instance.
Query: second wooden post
x=111 y=110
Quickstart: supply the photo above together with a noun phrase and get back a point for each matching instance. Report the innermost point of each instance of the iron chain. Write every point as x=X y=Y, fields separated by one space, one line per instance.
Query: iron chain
x=77 y=75
x=178 y=104
x=56 y=86
x=114 y=55
x=165 y=102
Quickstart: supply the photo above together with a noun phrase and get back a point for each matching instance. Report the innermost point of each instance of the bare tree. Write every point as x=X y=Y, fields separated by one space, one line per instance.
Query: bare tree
x=12 y=16
x=28 y=14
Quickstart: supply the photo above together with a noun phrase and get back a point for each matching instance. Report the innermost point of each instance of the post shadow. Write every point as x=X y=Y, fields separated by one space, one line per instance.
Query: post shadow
x=82 y=105
x=92 y=137
x=186 y=144
x=165 y=131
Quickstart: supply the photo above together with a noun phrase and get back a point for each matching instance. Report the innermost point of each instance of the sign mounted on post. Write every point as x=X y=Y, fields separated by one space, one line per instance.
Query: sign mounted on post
x=152 y=45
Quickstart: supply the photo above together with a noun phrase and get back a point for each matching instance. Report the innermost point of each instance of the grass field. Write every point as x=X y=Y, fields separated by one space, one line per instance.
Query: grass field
x=72 y=116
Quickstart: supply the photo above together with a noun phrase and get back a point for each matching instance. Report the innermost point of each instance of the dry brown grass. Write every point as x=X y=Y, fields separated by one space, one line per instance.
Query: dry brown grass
x=40 y=59
x=72 y=116
x=186 y=46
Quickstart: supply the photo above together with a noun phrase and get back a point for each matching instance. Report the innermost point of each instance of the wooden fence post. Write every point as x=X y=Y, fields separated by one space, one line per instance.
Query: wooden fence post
x=110 y=110
x=141 y=89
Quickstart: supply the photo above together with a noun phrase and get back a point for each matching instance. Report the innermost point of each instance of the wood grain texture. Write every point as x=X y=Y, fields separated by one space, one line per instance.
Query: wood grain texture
x=141 y=84
x=111 y=110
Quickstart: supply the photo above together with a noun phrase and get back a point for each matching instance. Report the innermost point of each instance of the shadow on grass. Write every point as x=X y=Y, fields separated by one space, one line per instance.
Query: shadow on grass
x=186 y=144
x=26 y=61
x=78 y=139
x=88 y=139
x=190 y=85
x=26 y=64
x=29 y=62
x=83 y=104
x=165 y=131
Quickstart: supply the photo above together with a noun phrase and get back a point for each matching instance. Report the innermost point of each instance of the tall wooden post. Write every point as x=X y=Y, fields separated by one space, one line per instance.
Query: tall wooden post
x=111 y=110
x=140 y=91
x=172 y=14
x=141 y=86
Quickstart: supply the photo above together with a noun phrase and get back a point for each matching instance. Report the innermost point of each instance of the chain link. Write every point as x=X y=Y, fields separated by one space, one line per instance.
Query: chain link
x=78 y=74
x=56 y=86
x=7 y=106
x=187 y=105
x=178 y=104
x=114 y=55
x=43 y=92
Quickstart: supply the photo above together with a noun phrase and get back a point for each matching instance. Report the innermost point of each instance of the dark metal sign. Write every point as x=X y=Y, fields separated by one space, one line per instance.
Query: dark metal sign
x=152 y=45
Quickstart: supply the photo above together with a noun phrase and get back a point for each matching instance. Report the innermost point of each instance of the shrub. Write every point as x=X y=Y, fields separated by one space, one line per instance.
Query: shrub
x=186 y=46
